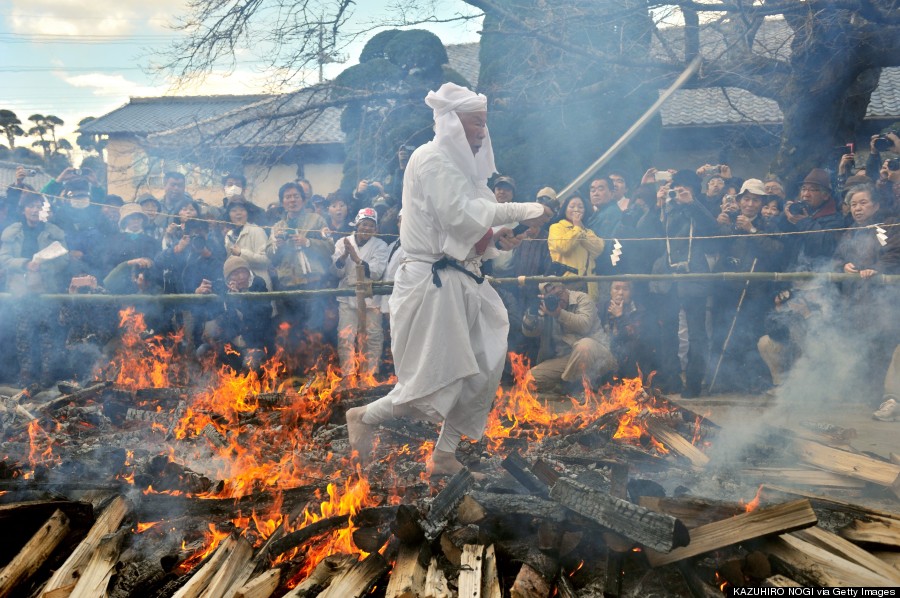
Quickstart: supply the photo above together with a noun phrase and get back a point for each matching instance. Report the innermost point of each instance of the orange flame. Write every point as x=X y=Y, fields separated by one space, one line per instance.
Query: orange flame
x=754 y=504
x=142 y=527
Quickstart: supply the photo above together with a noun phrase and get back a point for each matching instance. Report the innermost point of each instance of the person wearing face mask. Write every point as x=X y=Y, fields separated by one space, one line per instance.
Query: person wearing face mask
x=81 y=221
x=131 y=242
x=235 y=185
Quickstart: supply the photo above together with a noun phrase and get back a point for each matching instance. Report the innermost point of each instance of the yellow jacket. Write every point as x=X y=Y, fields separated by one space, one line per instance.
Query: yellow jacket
x=576 y=247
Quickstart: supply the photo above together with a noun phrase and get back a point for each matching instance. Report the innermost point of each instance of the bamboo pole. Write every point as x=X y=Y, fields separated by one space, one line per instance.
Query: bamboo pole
x=385 y=288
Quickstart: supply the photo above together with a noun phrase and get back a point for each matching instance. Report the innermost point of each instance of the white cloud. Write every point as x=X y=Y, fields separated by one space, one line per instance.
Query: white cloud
x=105 y=85
x=79 y=18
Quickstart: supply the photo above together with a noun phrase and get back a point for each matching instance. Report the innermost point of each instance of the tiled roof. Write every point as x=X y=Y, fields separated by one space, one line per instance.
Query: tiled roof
x=463 y=58
x=142 y=116
x=273 y=121
x=885 y=100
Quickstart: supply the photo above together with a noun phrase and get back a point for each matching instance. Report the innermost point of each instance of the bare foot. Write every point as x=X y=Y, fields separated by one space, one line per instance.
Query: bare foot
x=361 y=434
x=445 y=463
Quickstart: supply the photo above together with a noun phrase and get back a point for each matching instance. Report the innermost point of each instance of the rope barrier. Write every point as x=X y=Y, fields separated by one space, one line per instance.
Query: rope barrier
x=385 y=288
x=885 y=226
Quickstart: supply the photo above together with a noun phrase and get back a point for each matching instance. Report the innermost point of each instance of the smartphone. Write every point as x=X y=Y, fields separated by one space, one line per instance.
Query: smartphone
x=851 y=147
x=663 y=176
x=520 y=229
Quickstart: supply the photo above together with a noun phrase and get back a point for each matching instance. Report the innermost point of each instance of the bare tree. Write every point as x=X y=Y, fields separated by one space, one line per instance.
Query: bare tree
x=819 y=60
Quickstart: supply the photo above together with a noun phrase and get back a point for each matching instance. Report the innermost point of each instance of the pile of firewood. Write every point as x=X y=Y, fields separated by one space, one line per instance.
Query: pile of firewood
x=579 y=513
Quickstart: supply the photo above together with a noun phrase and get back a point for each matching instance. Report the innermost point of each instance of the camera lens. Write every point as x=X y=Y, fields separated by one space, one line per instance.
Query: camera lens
x=551 y=302
x=882 y=144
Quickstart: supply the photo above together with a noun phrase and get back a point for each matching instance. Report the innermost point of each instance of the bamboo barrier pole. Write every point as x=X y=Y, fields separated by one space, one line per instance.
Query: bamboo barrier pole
x=385 y=288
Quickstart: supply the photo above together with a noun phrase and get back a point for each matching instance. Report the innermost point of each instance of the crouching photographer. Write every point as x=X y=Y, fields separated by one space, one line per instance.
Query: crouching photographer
x=573 y=345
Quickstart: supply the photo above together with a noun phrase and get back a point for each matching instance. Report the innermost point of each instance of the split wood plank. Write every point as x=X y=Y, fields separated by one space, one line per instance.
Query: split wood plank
x=847 y=550
x=656 y=530
x=783 y=518
x=676 y=442
x=356 y=581
x=436 y=585
x=819 y=566
x=201 y=579
x=545 y=472
x=408 y=577
x=564 y=588
x=889 y=557
x=470 y=571
x=94 y=579
x=262 y=586
x=230 y=570
x=321 y=577
x=72 y=570
x=529 y=584
x=850 y=464
x=490 y=580
x=879 y=530
x=769 y=492
x=34 y=553
x=801 y=477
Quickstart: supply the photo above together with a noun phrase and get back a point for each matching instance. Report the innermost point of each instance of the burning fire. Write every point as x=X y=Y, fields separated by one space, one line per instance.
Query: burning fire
x=754 y=504
x=144 y=362
x=519 y=414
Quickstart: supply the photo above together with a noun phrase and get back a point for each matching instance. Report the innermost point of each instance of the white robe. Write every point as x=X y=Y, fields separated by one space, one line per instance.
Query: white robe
x=449 y=342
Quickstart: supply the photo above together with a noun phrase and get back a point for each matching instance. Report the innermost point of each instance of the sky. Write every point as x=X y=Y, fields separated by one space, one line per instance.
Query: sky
x=76 y=59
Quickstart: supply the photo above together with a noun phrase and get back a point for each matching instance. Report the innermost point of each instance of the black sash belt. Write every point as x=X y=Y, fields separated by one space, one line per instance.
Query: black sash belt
x=446 y=262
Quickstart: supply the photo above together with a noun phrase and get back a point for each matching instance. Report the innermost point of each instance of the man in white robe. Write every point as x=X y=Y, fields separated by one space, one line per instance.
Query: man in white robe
x=448 y=329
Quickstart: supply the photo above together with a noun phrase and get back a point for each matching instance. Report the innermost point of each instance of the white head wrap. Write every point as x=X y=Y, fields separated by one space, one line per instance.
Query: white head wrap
x=450 y=135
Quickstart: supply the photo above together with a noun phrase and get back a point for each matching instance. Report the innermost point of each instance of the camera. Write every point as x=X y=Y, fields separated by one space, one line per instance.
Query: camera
x=893 y=164
x=671 y=195
x=797 y=208
x=551 y=303
x=78 y=172
x=198 y=242
x=663 y=176
x=882 y=143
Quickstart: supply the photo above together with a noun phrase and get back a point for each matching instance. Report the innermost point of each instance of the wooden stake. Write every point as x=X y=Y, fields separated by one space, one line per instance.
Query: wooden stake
x=329 y=568
x=201 y=579
x=435 y=582
x=356 y=581
x=470 y=571
x=99 y=570
x=761 y=522
x=408 y=577
x=490 y=582
x=262 y=586
x=34 y=553
x=73 y=569
x=229 y=570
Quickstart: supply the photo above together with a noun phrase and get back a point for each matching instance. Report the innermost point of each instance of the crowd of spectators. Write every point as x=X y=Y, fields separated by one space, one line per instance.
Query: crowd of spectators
x=695 y=336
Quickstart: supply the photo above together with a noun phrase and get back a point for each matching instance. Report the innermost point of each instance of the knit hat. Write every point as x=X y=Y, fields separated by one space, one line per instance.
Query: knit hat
x=754 y=186
x=819 y=177
x=235 y=262
x=131 y=209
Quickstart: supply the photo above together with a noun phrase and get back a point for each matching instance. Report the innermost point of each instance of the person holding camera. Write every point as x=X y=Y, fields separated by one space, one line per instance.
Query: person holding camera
x=678 y=218
x=574 y=348
x=739 y=308
x=817 y=213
